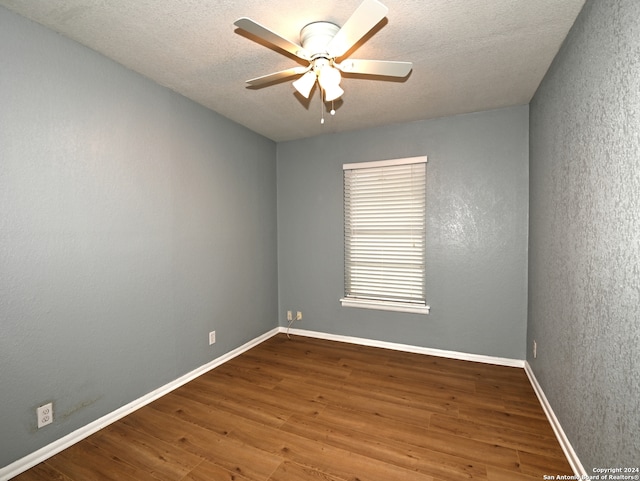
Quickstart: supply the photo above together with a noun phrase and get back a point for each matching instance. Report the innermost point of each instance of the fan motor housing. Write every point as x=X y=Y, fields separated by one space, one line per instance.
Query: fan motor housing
x=315 y=37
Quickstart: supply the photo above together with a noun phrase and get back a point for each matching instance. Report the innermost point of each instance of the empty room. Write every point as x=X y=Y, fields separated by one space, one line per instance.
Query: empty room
x=364 y=240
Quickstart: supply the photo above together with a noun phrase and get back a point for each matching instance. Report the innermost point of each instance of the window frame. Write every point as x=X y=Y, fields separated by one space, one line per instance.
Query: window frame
x=379 y=303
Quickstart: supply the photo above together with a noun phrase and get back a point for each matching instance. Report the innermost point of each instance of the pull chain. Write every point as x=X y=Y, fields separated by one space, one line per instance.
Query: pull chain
x=333 y=110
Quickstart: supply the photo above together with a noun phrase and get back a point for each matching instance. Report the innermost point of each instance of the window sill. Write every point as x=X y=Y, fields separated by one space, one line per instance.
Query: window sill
x=384 y=306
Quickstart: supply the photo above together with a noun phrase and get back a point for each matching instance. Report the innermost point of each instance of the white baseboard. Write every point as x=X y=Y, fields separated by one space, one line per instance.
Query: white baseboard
x=463 y=356
x=569 y=452
x=70 y=439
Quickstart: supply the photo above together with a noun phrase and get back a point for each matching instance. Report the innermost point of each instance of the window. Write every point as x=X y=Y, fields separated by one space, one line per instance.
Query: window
x=384 y=235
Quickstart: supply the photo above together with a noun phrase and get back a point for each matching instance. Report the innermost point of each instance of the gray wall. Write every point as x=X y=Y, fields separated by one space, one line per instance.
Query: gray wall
x=132 y=222
x=584 y=298
x=477 y=201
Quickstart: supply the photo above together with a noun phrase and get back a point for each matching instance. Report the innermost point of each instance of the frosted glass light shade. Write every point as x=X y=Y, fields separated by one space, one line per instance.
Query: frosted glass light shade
x=305 y=83
x=329 y=79
x=332 y=93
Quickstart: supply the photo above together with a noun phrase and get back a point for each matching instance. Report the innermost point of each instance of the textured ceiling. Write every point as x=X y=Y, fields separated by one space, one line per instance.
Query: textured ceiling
x=468 y=55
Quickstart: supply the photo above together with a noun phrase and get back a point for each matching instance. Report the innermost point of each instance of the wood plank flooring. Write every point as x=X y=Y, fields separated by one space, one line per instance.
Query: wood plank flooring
x=310 y=409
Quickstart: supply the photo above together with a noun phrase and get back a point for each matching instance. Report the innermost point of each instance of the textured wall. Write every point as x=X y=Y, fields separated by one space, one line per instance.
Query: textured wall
x=477 y=203
x=584 y=297
x=132 y=222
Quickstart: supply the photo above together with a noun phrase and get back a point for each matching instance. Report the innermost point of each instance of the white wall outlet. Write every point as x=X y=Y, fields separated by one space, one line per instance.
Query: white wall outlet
x=289 y=316
x=45 y=415
x=535 y=349
x=299 y=316
x=212 y=337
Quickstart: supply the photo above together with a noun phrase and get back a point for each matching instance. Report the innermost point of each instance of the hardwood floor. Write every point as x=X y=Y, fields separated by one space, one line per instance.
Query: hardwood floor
x=309 y=409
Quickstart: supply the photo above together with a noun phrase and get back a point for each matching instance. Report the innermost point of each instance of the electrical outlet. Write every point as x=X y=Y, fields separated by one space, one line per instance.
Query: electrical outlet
x=535 y=349
x=45 y=415
x=299 y=316
x=289 y=316
x=212 y=337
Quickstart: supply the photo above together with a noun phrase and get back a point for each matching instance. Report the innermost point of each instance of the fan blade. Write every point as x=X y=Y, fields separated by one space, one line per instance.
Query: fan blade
x=375 y=67
x=366 y=16
x=272 y=77
x=273 y=38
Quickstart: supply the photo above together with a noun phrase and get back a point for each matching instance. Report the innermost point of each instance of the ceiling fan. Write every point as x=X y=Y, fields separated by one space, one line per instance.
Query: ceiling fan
x=322 y=44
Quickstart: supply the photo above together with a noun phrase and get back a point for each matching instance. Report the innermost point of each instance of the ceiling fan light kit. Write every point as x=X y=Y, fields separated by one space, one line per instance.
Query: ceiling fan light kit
x=322 y=44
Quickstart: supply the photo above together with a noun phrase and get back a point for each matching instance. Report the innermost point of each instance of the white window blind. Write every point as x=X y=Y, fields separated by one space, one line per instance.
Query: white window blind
x=384 y=234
